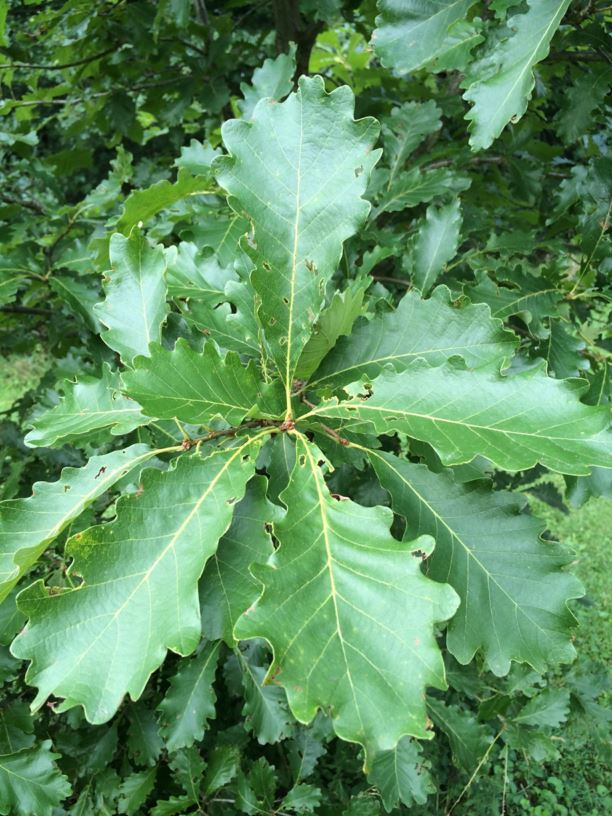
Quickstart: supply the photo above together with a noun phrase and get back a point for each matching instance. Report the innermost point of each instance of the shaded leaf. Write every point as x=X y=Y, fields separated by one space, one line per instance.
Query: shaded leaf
x=401 y=775
x=265 y=704
x=30 y=782
x=469 y=739
x=548 y=708
x=190 y=700
x=135 y=789
x=227 y=587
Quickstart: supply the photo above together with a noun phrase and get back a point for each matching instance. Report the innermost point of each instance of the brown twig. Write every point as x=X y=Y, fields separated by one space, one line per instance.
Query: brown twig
x=255 y=423
x=329 y=431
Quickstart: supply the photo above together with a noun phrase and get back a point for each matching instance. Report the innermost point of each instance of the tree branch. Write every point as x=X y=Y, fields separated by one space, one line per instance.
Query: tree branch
x=15 y=308
x=60 y=67
x=28 y=203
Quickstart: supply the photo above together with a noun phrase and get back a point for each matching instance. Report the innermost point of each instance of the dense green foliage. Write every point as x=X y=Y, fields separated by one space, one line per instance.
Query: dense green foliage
x=313 y=295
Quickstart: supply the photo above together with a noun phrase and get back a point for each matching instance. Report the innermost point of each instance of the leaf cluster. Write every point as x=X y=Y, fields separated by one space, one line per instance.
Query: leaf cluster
x=262 y=548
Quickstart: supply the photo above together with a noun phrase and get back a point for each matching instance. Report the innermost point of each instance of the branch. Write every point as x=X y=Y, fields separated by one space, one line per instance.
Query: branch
x=185 y=43
x=15 y=308
x=28 y=203
x=475 y=160
x=578 y=56
x=67 y=100
x=255 y=423
x=61 y=67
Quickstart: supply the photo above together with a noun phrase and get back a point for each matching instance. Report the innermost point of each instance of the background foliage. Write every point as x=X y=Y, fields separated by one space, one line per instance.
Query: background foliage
x=110 y=118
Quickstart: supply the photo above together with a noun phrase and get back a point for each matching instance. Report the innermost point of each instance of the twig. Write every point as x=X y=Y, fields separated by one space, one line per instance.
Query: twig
x=475 y=160
x=255 y=423
x=46 y=67
x=28 y=203
x=475 y=774
x=67 y=100
x=186 y=44
x=578 y=56
x=17 y=309
x=388 y=279
x=329 y=431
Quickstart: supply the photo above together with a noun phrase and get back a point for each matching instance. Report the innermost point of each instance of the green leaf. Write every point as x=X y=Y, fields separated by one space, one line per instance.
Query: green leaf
x=513 y=590
x=401 y=775
x=434 y=329
x=265 y=704
x=562 y=351
x=138 y=595
x=11 y=619
x=222 y=768
x=135 y=305
x=298 y=170
x=174 y=806
x=436 y=243
x=144 y=743
x=580 y=100
x=335 y=321
x=87 y=406
x=190 y=701
x=135 y=789
x=30 y=782
x=515 y=421
x=338 y=643
x=418 y=187
x=469 y=739
x=405 y=129
x=222 y=233
x=302 y=798
x=80 y=296
x=411 y=33
x=504 y=77
x=28 y=526
x=141 y=205
x=456 y=50
x=3 y=14
x=188 y=768
x=273 y=80
x=16 y=728
x=549 y=708
x=194 y=386
x=197 y=158
x=231 y=321
x=227 y=587
x=530 y=297
x=262 y=778
x=192 y=273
